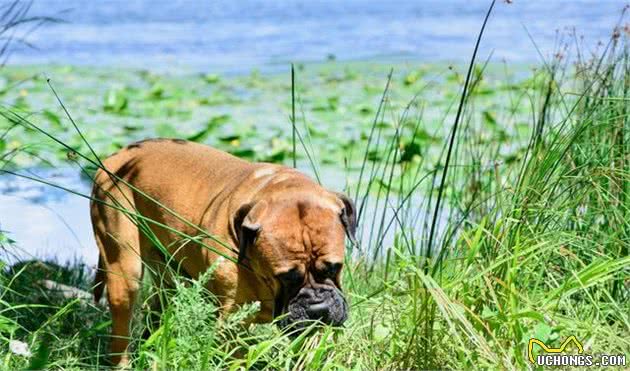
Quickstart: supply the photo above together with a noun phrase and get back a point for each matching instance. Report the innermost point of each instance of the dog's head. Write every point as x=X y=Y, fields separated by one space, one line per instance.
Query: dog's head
x=297 y=245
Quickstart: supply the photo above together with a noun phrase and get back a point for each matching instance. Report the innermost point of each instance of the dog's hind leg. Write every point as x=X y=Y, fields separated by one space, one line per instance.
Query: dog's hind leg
x=162 y=284
x=117 y=237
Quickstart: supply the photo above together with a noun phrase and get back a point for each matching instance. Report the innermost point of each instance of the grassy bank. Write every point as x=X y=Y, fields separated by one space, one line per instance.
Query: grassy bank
x=532 y=240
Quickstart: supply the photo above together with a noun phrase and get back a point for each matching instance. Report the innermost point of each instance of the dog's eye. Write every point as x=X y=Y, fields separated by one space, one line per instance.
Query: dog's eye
x=330 y=270
x=294 y=276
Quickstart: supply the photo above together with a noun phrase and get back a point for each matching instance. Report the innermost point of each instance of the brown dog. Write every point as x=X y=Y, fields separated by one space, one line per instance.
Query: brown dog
x=286 y=232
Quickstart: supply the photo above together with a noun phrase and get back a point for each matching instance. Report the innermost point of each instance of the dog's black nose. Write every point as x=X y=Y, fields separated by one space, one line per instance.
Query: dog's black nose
x=308 y=295
x=324 y=303
x=316 y=302
x=319 y=311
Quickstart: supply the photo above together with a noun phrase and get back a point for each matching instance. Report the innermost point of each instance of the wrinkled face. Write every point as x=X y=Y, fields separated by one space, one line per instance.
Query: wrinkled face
x=299 y=248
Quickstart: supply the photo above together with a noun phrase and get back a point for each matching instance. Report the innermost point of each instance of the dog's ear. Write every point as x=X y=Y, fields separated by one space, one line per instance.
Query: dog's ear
x=247 y=225
x=349 y=218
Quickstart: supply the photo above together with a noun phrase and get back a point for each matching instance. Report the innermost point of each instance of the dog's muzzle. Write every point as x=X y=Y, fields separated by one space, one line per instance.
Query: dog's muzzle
x=324 y=303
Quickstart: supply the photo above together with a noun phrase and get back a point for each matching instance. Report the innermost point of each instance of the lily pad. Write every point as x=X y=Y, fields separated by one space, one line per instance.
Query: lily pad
x=211 y=78
x=212 y=124
x=115 y=101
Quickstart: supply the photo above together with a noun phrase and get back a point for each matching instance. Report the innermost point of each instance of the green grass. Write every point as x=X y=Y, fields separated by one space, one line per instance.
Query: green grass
x=533 y=234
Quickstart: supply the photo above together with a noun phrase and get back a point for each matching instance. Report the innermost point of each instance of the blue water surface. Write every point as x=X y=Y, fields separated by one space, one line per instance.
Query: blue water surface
x=244 y=34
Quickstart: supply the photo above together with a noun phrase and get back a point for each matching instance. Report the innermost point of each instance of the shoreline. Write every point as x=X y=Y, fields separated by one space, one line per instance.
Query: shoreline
x=383 y=63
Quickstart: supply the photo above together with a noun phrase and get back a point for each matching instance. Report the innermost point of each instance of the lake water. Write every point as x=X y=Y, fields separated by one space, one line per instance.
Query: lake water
x=236 y=36
x=46 y=222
